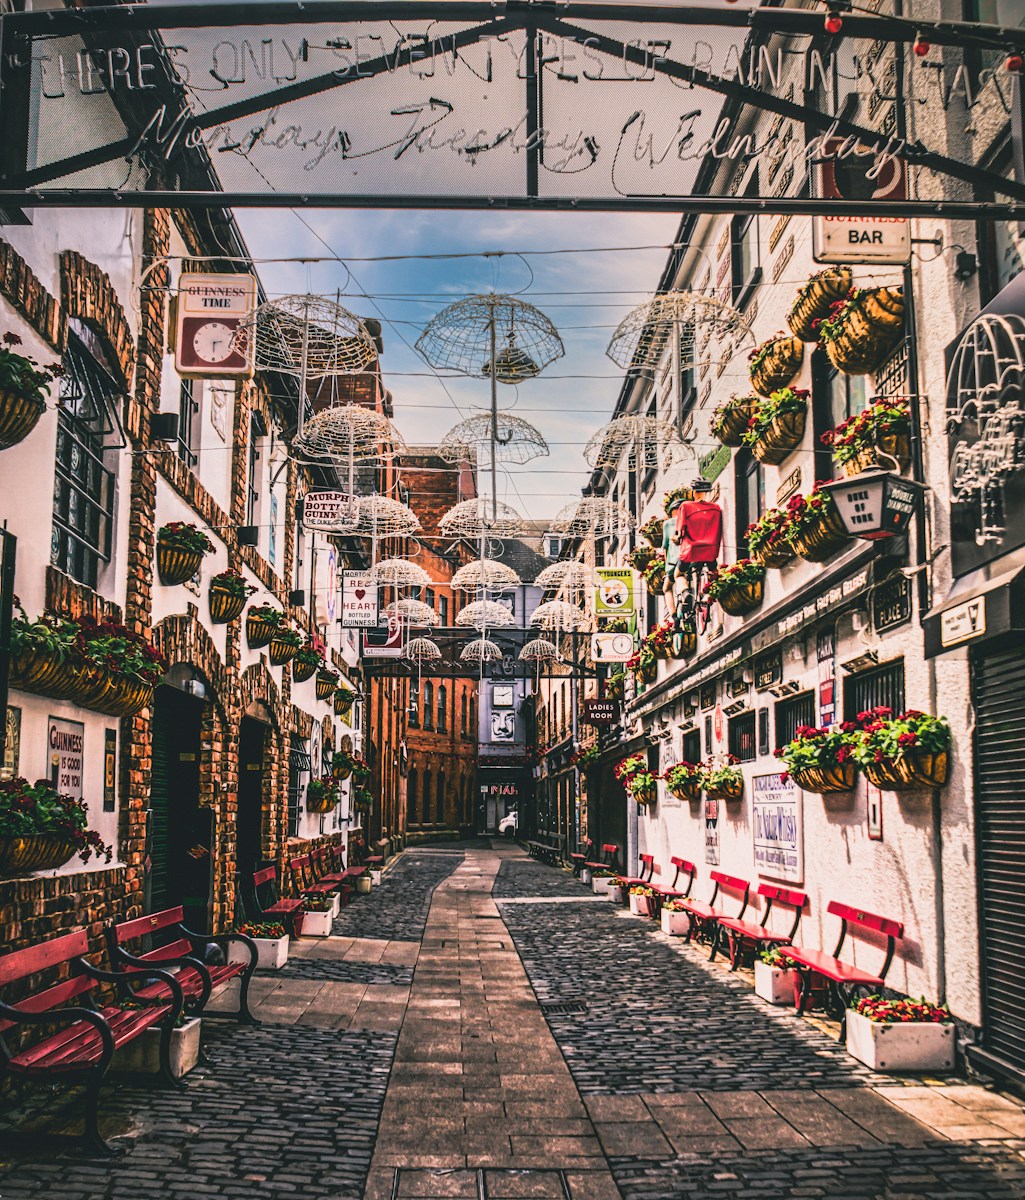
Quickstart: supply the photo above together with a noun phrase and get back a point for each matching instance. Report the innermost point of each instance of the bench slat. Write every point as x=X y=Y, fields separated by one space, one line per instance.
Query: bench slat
x=128 y=930
x=33 y=959
x=858 y=916
x=53 y=997
x=833 y=968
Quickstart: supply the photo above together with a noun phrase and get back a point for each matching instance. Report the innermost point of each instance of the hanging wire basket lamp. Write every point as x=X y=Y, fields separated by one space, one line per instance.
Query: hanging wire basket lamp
x=486 y=573
x=485 y=614
x=481 y=650
x=459 y=338
x=422 y=650
x=398 y=572
x=556 y=615
x=539 y=650
x=478 y=518
x=413 y=612
x=645 y=333
x=308 y=336
x=516 y=440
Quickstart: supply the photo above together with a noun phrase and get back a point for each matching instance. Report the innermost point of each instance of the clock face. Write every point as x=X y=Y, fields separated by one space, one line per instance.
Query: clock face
x=212 y=342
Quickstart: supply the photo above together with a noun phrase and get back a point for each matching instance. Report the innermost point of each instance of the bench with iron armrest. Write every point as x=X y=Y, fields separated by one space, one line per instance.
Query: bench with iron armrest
x=90 y=1029
x=757 y=933
x=663 y=892
x=626 y=882
x=548 y=848
x=188 y=950
x=328 y=866
x=305 y=882
x=578 y=858
x=704 y=917
x=844 y=979
x=265 y=902
x=609 y=859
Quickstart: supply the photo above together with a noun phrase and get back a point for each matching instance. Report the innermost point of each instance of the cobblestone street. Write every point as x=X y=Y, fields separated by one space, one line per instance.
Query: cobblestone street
x=482 y=1026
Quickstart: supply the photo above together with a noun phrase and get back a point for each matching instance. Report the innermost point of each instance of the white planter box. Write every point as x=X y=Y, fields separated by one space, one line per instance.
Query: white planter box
x=675 y=924
x=375 y=877
x=639 y=905
x=601 y=884
x=585 y=875
x=774 y=984
x=143 y=1053
x=318 y=924
x=271 y=953
x=901 y=1046
x=336 y=905
x=615 y=894
x=363 y=884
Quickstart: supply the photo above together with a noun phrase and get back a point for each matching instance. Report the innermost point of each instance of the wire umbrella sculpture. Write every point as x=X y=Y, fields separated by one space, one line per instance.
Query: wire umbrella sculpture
x=645 y=435
x=590 y=516
x=481 y=650
x=643 y=335
x=398 y=572
x=478 y=519
x=413 y=612
x=380 y=516
x=422 y=650
x=574 y=576
x=557 y=616
x=513 y=439
x=482 y=614
x=486 y=573
x=347 y=434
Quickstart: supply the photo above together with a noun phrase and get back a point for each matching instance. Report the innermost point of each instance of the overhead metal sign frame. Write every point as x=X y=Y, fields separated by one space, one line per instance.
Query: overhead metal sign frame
x=463 y=104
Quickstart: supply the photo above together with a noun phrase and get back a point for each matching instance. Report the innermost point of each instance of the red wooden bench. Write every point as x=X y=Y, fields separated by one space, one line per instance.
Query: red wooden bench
x=91 y=1030
x=758 y=933
x=305 y=882
x=187 y=950
x=608 y=860
x=843 y=978
x=661 y=892
x=703 y=917
x=626 y=882
x=266 y=902
x=578 y=859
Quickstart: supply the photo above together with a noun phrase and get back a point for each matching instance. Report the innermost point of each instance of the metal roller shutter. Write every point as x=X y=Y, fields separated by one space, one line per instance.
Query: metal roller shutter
x=159 y=815
x=999 y=697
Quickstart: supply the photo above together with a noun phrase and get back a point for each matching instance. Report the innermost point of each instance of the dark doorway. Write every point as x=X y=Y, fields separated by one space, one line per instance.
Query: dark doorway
x=252 y=735
x=180 y=832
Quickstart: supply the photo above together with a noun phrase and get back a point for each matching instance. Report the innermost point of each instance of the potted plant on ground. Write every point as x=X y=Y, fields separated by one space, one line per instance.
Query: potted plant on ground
x=776 y=426
x=730 y=420
x=767 y=541
x=307 y=660
x=722 y=780
x=901 y=1035
x=863 y=328
x=651 y=531
x=904 y=753
x=263 y=623
x=602 y=882
x=41 y=828
x=738 y=588
x=322 y=794
x=271 y=945
x=879 y=436
x=774 y=363
x=284 y=645
x=822 y=760
x=815 y=299
x=327 y=681
x=24 y=387
x=229 y=591
x=180 y=551
x=683 y=780
x=775 y=977
x=814 y=528
x=674 y=919
x=319 y=914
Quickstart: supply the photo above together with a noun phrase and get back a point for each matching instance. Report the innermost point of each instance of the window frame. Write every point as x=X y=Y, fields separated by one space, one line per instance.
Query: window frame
x=787 y=715
x=865 y=690
x=734 y=735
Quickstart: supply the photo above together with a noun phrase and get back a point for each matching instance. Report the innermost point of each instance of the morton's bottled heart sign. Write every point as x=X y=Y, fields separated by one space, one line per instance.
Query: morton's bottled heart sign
x=359 y=600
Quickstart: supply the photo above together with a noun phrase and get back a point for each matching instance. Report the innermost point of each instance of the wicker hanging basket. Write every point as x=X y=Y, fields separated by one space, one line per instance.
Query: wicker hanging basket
x=19 y=415
x=731 y=424
x=840 y=778
x=778 y=365
x=35 y=671
x=816 y=543
x=282 y=651
x=782 y=437
x=34 y=852
x=301 y=671
x=868 y=331
x=175 y=564
x=888 y=446
x=224 y=605
x=691 y=791
x=324 y=805
x=912 y=772
x=343 y=701
x=125 y=697
x=259 y=633
x=655 y=582
x=815 y=300
x=326 y=685
x=684 y=642
x=774 y=556
x=726 y=791
x=647 y=672
x=742 y=598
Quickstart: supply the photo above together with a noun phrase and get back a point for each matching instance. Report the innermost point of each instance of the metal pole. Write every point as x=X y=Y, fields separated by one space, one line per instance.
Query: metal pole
x=494 y=421
x=303 y=363
x=677 y=378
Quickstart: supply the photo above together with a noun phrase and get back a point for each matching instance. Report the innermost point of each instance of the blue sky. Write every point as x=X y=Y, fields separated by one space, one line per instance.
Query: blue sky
x=585 y=295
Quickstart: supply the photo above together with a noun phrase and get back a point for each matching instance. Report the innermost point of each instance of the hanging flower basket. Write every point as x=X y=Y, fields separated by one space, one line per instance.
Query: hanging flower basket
x=684 y=641
x=228 y=594
x=815 y=300
x=645 y=795
x=322 y=794
x=343 y=701
x=839 y=778
x=41 y=671
x=38 y=852
x=651 y=531
x=305 y=665
x=774 y=555
x=262 y=625
x=41 y=828
x=878 y=436
x=180 y=551
x=728 y=789
x=655 y=573
x=903 y=753
x=775 y=363
x=864 y=329
x=730 y=420
x=913 y=771
x=19 y=415
x=777 y=425
x=683 y=780
x=126 y=698
x=742 y=599
x=767 y=540
x=814 y=527
x=881 y=454
x=739 y=588
x=327 y=681
x=615 y=686
x=284 y=646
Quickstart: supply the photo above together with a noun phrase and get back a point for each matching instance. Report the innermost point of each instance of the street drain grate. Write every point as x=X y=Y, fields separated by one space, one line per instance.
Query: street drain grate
x=563 y=1010
x=480 y=1183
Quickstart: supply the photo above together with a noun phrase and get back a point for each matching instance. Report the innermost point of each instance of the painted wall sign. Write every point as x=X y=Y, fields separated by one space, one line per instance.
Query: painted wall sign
x=359 y=600
x=789 y=486
x=768 y=670
x=611 y=647
x=712 y=464
x=777 y=828
x=613 y=592
x=65 y=745
x=12 y=746
x=891 y=603
x=601 y=712
x=384 y=641
x=109 y=769
x=870 y=239
x=963 y=622
x=712 y=832
x=327 y=510
x=211 y=308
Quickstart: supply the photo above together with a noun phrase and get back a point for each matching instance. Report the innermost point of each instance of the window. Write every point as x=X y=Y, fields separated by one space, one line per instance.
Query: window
x=256 y=427
x=835 y=397
x=763 y=732
x=742 y=737
x=428 y=719
x=881 y=687
x=443 y=611
x=793 y=712
x=691 y=746
x=412 y=783
x=473 y=716
x=429 y=597
x=462 y=713
x=426 y=807
x=413 y=712
x=83 y=489
x=439 y=801
x=745 y=271
x=299 y=767
x=442 y=707
x=188 y=409
x=750 y=495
